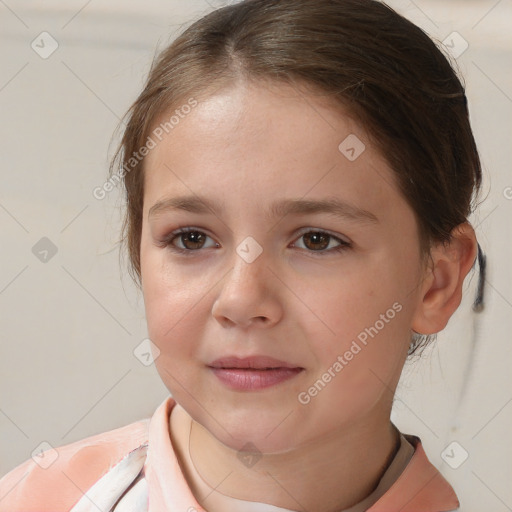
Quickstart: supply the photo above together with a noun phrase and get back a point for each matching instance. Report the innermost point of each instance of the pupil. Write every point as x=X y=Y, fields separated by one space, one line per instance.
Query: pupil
x=194 y=237
x=317 y=238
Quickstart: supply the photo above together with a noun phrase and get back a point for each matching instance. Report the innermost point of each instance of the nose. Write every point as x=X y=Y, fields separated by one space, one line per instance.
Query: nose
x=249 y=295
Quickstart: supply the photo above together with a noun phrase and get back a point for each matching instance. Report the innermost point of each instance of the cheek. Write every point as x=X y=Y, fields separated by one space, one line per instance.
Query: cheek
x=368 y=335
x=356 y=372
x=168 y=291
x=170 y=320
x=353 y=302
x=169 y=305
x=178 y=307
x=171 y=314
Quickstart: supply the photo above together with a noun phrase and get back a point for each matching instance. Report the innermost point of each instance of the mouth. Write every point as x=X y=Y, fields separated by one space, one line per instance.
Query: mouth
x=253 y=373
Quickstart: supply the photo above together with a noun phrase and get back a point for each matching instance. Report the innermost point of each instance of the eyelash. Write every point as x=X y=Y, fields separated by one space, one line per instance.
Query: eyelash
x=167 y=241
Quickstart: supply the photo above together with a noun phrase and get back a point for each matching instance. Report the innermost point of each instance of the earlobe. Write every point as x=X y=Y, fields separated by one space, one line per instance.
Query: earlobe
x=441 y=293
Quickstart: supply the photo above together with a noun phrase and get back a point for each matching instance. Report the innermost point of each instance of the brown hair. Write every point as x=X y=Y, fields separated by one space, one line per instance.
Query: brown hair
x=385 y=70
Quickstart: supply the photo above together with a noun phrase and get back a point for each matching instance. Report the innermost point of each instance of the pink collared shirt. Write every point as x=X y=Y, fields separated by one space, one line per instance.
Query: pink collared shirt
x=137 y=463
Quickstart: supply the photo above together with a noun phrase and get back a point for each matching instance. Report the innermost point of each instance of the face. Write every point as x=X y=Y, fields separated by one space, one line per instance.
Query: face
x=276 y=326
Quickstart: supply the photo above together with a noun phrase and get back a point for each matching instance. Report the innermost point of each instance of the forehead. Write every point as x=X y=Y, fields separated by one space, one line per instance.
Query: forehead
x=253 y=140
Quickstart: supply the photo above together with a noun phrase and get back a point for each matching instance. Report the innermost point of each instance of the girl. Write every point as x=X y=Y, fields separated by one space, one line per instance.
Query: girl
x=298 y=175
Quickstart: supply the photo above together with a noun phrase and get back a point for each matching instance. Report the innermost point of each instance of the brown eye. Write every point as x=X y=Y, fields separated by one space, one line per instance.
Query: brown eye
x=193 y=239
x=186 y=240
x=322 y=243
x=316 y=241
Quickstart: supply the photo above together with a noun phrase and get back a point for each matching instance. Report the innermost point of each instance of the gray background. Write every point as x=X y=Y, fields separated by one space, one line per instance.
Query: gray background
x=70 y=325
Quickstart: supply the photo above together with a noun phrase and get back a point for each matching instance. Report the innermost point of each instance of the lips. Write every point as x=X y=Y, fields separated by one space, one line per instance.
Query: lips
x=250 y=363
x=253 y=373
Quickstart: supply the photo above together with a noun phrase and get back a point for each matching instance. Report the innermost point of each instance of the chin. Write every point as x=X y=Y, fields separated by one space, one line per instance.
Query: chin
x=267 y=431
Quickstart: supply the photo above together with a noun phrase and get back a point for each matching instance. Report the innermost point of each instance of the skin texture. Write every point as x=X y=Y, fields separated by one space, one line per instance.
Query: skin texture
x=246 y=147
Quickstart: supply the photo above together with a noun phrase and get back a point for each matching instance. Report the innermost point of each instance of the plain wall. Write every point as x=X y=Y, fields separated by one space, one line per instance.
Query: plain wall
x=69 y=325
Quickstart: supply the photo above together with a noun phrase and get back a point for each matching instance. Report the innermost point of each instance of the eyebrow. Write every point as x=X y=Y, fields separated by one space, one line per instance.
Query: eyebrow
x=332 y=206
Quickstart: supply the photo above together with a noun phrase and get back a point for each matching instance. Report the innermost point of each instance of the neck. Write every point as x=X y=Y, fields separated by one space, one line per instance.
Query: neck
x=324 y=475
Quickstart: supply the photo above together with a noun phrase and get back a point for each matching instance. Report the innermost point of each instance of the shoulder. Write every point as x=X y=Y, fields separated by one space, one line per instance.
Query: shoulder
x=58 y=482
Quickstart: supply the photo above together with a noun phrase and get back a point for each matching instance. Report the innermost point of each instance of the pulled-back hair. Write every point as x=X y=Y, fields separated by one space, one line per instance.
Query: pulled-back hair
x=381 y=68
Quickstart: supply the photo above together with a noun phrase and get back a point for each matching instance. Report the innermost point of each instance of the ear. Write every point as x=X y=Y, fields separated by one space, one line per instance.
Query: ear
x=441 y=288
